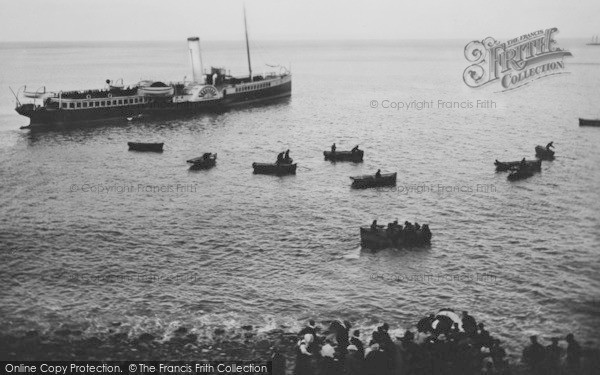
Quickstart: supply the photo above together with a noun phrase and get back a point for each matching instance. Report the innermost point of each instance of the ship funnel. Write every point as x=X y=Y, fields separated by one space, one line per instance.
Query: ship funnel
x=197 y=69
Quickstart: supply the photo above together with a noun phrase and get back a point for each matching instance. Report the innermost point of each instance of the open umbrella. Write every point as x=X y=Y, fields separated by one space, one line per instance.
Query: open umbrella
x=445 y=319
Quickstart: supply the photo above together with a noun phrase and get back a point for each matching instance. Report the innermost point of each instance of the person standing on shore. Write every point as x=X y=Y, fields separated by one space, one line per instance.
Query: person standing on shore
x=328 y=363
x=375 y=361
x=573 y=354
x=310 y=329
x=278 y=362
x=342 y=337
x=533 y=355
x=355 y=340
x=553 y=355
x=304 y=357
x=469 y=324
x=424 y=325
x=353 y=365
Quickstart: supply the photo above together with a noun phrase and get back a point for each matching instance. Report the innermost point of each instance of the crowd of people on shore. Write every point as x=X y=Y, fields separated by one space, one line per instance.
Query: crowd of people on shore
x=548 y=360
x=441 y=345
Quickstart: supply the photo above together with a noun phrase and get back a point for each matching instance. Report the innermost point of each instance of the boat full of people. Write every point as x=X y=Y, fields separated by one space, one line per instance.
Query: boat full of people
x=213 y=90
x=283 y=166
x=395 y=235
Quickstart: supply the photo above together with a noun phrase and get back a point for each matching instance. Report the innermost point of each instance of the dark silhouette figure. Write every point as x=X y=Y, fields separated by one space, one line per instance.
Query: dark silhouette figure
x=374 y=225
x=522 y=164
x=310 y=328
x=278 y=364
x=469 y=324
x=376 y=361
x=424 y=325
x=355 y=340
x=280 y=158
x=286 y=157
x=533 y=355
x=553 y=355
x=304 y=357
x=354 y=363
x=378 y=173
x=573 y=353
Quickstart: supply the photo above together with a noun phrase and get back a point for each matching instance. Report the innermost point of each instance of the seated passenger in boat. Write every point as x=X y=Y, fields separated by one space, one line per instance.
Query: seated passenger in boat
x=378 y=173
x=426 y=232
x=417 y=226
x=333 y=147
x=286 y=158
x=280 y=158
x=374 y=225
x=523 y=163
x=355 y=149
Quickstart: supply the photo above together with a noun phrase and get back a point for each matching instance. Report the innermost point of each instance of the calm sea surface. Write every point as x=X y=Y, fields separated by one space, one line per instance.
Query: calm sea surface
x=91 y=233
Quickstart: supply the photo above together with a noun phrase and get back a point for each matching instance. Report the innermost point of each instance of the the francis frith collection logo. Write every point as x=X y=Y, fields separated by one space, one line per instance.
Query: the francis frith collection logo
x=516 y=62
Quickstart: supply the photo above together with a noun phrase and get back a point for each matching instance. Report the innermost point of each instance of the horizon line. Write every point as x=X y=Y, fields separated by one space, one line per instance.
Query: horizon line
x=260 y=40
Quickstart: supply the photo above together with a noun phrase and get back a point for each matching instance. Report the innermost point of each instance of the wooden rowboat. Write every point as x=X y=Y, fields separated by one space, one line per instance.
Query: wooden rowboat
x=501 y=166
x=520 y=174
x=208 y=160
x=586 y=122
x=368 y=181
x=356 y=156
x=382 y=237
x=542 y=153
x=274 y=168
x=138 y=146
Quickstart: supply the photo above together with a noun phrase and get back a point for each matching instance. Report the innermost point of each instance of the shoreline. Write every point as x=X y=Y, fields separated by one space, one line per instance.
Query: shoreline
x=243 y=343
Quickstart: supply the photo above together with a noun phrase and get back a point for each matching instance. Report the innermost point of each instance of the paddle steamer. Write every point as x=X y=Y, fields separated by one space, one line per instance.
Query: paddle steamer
x=209 y=91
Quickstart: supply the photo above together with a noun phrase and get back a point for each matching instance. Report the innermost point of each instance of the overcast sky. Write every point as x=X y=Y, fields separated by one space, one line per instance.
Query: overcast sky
x=111 y=20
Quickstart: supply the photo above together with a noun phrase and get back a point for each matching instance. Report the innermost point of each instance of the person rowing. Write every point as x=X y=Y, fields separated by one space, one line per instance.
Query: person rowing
x=523 y=164
x=374 y=225
x=280 y=158
x=378 y=173
x=286 y=158
x=333 y=147
x=355 y=149
x=550 y=145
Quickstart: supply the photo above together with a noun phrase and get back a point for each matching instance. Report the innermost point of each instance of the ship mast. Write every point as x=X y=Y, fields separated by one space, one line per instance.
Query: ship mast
x=247 y=45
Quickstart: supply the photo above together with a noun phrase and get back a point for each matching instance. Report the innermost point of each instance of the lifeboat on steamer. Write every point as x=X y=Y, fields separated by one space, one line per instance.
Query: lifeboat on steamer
x=155 y=89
